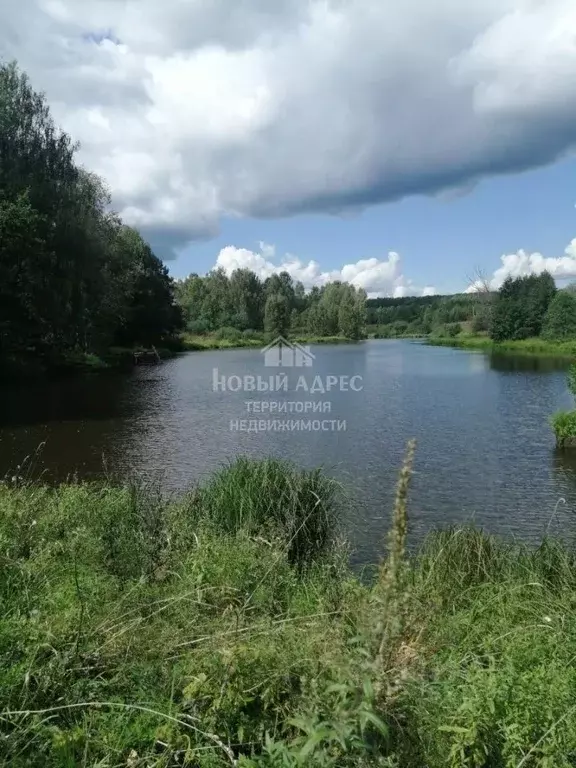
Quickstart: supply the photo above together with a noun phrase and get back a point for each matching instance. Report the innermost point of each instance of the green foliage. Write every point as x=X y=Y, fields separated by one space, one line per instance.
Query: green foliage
x=521 y=306
x=277 y=315
x=192 y=635
x=276 y=305
x=498 y=690
x=560 y=319
x=571 y=379
x=275 y=499
x=136 y=630
x=73 y=279
x=419 y=316
x=564 y=422
x=564 y=426
x=448 y=331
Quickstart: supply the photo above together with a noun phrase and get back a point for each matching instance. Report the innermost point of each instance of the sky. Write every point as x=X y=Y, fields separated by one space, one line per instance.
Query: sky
x=400 y=146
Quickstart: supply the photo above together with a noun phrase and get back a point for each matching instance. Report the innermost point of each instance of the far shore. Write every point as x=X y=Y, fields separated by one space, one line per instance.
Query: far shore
x=537 y=346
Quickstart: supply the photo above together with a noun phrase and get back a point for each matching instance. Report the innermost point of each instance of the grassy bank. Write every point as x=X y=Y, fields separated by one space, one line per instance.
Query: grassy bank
x=224 y=628
x=525 y=346
x=238 y=340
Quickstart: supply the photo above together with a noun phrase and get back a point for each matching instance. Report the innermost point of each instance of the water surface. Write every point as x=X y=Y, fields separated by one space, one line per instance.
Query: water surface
x=485 y=449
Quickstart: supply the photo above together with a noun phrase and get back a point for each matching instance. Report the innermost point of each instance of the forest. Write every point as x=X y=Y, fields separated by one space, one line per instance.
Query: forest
x=527 y=307
x=243 y=303
x=75 y=281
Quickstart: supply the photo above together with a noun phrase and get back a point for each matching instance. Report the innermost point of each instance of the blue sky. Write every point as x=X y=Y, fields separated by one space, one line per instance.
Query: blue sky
x=440 y=239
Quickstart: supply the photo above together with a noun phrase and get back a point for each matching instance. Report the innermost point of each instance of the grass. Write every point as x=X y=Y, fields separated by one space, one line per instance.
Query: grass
x=195 y=342
x=237 y=340
x=564 y=426
x=225 y=628
x=535 y=346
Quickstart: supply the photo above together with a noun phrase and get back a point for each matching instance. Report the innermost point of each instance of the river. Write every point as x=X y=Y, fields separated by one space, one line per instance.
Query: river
x=485 y=451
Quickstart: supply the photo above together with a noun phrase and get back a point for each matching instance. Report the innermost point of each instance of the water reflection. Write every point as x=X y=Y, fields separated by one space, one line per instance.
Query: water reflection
x=527 y=363
x=69 y=427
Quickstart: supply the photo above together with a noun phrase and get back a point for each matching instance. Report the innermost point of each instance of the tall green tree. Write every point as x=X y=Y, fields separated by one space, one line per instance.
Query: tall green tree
x=520 y=307
x=277 y=315
x=72 y=277
x=560 y=319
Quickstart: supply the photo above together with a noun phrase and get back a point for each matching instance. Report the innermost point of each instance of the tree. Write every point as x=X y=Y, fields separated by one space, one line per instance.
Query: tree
x=560 y=319
x=277 y=315
x=521 y=305
x=246 y=293
x=72 y=277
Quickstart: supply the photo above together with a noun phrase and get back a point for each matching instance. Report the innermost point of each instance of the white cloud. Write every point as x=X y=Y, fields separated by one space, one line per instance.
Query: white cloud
x=429 y=290
x=376 y=277
x=522 y=263
x=202 y=109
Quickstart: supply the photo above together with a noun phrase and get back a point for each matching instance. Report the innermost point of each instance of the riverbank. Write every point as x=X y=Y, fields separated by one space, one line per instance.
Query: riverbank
x=524 y=346
x=193 y=342
x=225 y=628
x=30 y=367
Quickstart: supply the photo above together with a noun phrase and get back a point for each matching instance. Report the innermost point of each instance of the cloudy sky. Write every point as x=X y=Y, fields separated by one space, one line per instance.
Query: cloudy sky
x=397 y=145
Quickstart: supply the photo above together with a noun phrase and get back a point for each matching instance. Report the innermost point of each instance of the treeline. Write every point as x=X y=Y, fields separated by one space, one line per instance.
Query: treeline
x=523 y=308
x=73 y=278
x=527 y=307
x=244 y=303
x=422 y=315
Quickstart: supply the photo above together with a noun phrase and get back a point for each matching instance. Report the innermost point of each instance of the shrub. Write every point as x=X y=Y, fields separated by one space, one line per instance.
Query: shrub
x=250 y=333
x=228 y=334
x=564 y=426
x=198 y=326
x=272 y=498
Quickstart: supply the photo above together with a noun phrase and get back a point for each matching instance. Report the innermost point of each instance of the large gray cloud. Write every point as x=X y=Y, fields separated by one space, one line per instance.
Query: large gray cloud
x=199 y=109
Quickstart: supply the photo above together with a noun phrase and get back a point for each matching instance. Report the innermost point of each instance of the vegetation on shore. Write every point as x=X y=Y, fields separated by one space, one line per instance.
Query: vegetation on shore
x=224 y=628
x=75 y=281
x=527 y=315
x=234 y=339
x=242 y=303
x=536 y=346
x=564 y=422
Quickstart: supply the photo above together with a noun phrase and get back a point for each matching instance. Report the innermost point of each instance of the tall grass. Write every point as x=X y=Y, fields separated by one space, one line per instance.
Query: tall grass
x=272 y=499
x=202 y=631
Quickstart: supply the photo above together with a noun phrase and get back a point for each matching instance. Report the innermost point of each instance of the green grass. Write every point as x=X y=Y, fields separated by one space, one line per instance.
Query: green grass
x=194 y=342
x=225 y=628
x=535 y=346
x=237 y=340
x=564 y=426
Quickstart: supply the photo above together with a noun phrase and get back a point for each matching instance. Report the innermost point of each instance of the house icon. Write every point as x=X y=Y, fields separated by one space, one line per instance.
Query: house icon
x=282 y=353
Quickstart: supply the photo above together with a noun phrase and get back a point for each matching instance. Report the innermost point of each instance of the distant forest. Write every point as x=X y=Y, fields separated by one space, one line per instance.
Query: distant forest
x=524 y=307
x=422 y=315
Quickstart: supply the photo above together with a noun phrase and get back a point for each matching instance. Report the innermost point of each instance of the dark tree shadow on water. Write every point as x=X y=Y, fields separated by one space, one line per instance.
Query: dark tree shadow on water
x=507 y=363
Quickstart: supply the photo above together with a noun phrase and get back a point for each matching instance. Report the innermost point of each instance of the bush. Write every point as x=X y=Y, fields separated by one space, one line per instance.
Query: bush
x=481 y=321
x=199 y=327
x=136 y=631
x=250 y=334
x=228 y=334
x=448 y=330
x=564 y=426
